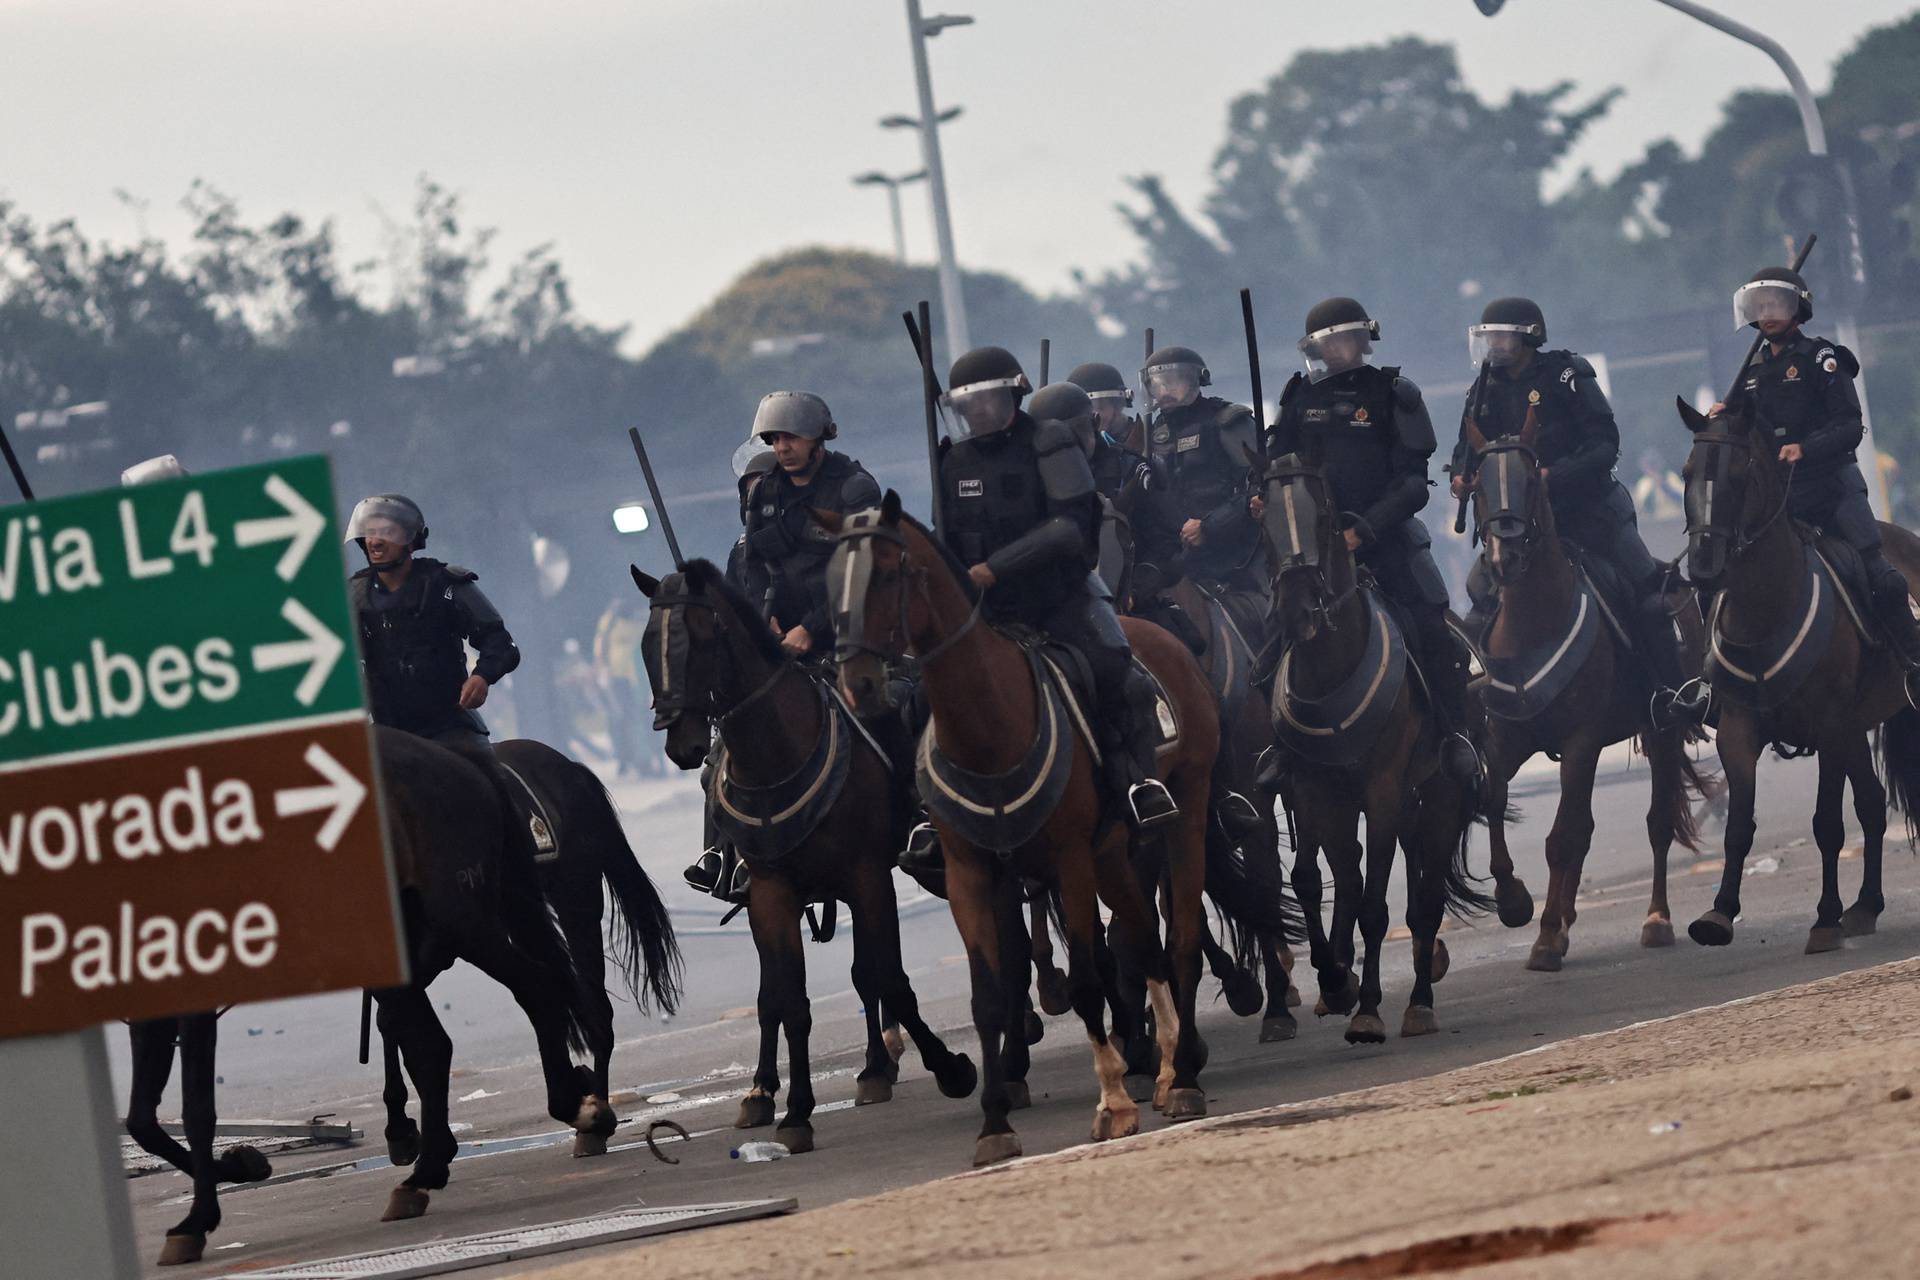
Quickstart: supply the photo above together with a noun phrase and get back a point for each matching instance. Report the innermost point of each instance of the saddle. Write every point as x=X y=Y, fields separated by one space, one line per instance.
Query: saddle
x=532 y=810
x=1844 y=563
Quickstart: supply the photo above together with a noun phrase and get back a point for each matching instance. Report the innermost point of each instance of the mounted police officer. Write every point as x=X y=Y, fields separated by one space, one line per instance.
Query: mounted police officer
x=415 y=614
x=1202 y=443
x=1801 y=388
x=785 y=548
x=1020 y=512
x=1578 y=445
x=1376 y=437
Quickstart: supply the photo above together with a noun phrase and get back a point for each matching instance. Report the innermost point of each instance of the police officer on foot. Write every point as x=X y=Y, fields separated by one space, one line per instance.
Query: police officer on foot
x=1020 y=512
x=1578 y=444
x=1801 y=388
x=1376 y=437
x=415 y=614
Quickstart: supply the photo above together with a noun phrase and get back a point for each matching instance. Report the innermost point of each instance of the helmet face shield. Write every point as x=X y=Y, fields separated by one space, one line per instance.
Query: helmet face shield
x=1498 y=344
x=387 y=520
x=1337 y=348
x=752 y=458
x=1170 y=386
x=982 y=408
x=1762 y=300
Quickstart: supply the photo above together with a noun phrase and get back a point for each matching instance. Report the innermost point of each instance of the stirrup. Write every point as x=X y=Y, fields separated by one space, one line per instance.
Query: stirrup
x=1151 y=804
x=923 y=850
x=1468 y=770
x=1685 y=707
x=741 y=883
x=1269 y=769
x=1911 y=679
x=1238 y=816
x=704 y=874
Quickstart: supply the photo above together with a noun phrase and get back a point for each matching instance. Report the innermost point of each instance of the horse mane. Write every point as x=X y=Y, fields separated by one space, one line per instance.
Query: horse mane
x=706 y=578
x=958 y=570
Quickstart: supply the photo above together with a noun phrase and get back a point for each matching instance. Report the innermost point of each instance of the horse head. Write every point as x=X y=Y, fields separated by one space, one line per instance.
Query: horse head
x=1312 y=566
x=1511 y=514
x=705 y=649
x=879 y=589
x=1734 y=489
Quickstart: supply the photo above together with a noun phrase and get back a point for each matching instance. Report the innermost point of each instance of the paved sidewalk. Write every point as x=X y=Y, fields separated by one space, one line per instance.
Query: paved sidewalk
x=1776 y=1136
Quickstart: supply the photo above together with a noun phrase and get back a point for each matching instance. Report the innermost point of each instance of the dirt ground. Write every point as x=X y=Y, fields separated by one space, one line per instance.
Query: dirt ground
x=1776 y=1136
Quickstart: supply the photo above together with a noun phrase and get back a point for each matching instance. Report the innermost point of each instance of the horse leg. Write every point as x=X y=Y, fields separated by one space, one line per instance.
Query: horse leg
x=1017 y=957
x=403 y=1135
x=1339 y=987
x=1870 y=807
x=1384 y=815
x=1829 y=833
x=1510 y=896
x=773 y=909
x=1050 y=981
x=1241 y=988
x=1668 y=799
x=1180 y=1096
x=1739 y=745
x=876 y=933
x=1566 y=854
x=1133 y=940
x=407 y=1014
x=588 y=951
x=972 y=886
x=1427 y=856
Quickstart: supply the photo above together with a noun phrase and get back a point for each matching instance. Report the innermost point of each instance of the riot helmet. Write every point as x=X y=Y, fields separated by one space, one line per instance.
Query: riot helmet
x=984 y=388
x=1111 y=395
x=793 y=413
x=152 y=471
x=1340 y=336
x=1772 y=293
x=1506 y=326
x=1173 y=377
x=1069 y=403
x=388 y=517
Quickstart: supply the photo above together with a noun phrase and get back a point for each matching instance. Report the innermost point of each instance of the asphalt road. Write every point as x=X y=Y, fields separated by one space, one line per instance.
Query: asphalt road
x=291 y=1060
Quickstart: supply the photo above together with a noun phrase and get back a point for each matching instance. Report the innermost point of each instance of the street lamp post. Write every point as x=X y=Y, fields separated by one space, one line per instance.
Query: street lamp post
x=893 y=186
x=952 y=305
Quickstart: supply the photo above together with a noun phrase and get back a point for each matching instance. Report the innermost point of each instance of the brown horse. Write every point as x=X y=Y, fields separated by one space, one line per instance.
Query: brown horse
x=1376 y=755
x=713 y=662
x=896 y=591
x=1560 y=680
x=1788 y=668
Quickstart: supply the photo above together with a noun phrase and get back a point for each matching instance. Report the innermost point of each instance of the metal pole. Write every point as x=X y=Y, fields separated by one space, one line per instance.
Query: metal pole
x=1253 y=368
x=1845 y=331
x=1046 y=354
x=13 y=464
x=653 y=488
x=953 y=306
x=922 y=336
x=899 y=232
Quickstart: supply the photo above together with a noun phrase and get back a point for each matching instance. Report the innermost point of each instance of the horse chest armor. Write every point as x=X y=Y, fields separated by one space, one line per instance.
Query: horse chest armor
x=1764 y=675
x=1338 y=727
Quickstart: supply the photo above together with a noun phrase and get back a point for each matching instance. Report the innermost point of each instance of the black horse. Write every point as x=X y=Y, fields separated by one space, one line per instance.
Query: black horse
x=592 y=847
x=468 y=891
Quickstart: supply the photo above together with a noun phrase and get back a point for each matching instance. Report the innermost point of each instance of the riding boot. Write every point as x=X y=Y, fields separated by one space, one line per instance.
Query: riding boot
x=922 y=854
x=1444 y=660
x=1678 y=697
x=1131 y=760
x=737 y=880
x=1238 y=816
x=1890 y=605
x=705 y=873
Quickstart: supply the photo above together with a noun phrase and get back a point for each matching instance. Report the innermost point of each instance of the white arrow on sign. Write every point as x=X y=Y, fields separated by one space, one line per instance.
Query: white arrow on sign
x=320 y=650
x=300 y=528
x=342 y=794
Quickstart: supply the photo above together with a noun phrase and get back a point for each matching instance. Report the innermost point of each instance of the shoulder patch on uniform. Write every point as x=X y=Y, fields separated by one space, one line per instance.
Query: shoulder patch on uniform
x=1406 y=393
x=1231 y=413
x=461 y=574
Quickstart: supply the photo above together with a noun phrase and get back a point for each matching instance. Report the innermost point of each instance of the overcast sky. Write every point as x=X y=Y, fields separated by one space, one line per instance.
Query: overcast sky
x=664 y=145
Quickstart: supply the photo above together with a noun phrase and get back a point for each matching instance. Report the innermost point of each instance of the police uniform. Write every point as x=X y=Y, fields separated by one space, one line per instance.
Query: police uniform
x=1201 y=448
x=411 y=645
x=787 y=551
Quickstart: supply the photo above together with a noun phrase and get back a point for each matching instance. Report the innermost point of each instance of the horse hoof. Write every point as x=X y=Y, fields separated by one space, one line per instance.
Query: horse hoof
x=895 y=1042
x=960 y=1078
x=595 y=1116
x=1342 y=999
x=1185 y=1104
x=1858 y=922
x=1053 y=993
x=871 y=1090
x=756 y=1112
x=187 y=1247
x=1418 y=1021
x=1442 y=961
x=797 y=1138
x=403 y=1149
x=1543 y=958
x=1513 y=903
x=1713 y=929
x=1019 y=1096
x=244 y=1164
x=1108 y=1124
x=1293 y=997
x=995 y=1147
x=404 y=1202
x=1656 y=932
x=1366 y=1028
x=1139 y=1085
x=1824 y=938
x=588 y=1144
x=1036 y=1029
x=1277 y=1028
x=1243 y=993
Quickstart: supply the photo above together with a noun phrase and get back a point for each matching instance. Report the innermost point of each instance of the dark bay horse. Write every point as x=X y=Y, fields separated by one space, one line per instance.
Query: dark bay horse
x=1560 y=680
x=898 y=592
x=1378 y=759
x=713 y=662
x=593 y=848
x=1789 y=667
x=465 y=868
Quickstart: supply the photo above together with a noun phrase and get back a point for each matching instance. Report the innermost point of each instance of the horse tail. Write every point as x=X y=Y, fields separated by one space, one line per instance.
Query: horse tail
x=1896 y=744
x=1459 y=887
x=1251 y=905
x=1692 y=785
x=643 y=938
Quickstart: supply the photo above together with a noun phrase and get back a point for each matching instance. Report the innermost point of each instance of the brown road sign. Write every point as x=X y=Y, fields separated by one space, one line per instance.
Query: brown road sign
x=246 y=868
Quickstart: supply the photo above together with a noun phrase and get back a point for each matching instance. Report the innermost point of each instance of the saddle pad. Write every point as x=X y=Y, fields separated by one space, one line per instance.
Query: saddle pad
x=533 y=811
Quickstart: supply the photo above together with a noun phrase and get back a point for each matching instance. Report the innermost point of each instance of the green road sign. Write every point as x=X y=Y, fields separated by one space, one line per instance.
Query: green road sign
x=188 y=806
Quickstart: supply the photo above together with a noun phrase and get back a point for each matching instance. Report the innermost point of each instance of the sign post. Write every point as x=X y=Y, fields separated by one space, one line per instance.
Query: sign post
x=188 y=800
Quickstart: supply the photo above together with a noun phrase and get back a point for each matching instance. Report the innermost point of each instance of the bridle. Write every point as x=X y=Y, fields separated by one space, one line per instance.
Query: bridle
x=1705 y=520
x=1305 y=553
x=849 y=580
x=674 y=695
x=1502 y=513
